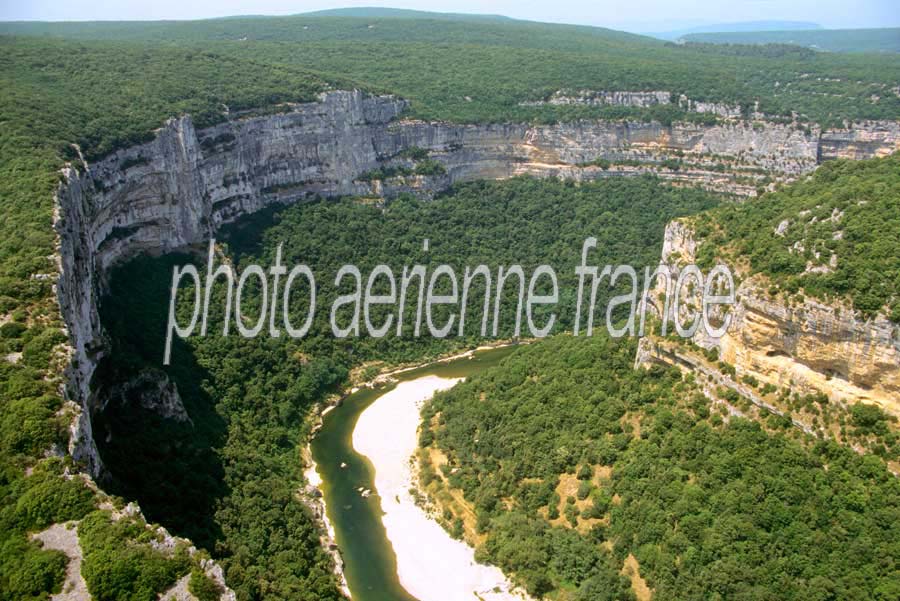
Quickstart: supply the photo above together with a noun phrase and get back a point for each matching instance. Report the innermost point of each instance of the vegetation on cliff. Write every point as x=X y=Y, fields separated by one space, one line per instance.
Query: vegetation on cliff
x=833 y=235
x=29 y=505
x=121 y=561
x=711 y=505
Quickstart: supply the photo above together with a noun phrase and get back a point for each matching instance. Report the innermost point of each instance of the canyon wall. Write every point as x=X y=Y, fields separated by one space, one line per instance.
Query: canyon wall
x=861 y=140
x=806 y=346
x=176 y=190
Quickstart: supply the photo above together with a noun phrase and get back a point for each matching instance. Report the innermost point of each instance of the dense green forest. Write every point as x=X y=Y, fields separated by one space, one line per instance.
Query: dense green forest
x=249 y=398
x=841 y=222
x=831 y=40
x=465 y=69
x=711 y=506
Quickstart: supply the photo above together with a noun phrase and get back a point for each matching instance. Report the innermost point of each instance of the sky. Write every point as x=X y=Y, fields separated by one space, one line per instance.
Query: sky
x=630 y=15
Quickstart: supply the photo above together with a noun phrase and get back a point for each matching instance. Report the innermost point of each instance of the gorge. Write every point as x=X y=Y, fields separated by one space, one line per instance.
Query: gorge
x=176 y=190
x=579 y=468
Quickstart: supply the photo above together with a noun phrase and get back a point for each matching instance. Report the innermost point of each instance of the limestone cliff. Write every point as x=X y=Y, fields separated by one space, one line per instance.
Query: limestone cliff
x=179 y=188
x=860 y=140
x=804 y=346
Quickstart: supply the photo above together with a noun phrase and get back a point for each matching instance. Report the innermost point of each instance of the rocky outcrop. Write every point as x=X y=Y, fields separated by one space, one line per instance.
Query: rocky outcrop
x=720 y=109
x=150 y=390
x=600 y=98
x=860 y=140
x=814 y=346
x=63 y=537
x=654 y=351
x=805 y=346
x=179 y=188
x=638 y=99
x=773 y=147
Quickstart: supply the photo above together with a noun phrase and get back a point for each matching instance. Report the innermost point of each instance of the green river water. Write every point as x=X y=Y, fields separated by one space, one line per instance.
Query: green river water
x=369 y=562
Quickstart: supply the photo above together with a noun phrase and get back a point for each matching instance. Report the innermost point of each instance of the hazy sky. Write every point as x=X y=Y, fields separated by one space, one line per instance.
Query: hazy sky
x=635 y=15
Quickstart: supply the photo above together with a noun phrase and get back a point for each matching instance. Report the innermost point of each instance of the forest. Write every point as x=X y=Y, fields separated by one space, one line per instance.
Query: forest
x=885 y=39
x=249 y=399
x=710 y=505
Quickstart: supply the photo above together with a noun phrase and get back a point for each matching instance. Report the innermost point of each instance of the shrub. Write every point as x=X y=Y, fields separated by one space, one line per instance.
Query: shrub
x=584 y=489
x=115 y=568
x=50 y=498
x=203 y=587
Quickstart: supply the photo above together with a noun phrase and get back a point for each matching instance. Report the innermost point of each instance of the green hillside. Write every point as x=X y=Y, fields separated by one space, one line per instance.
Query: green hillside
x=369 y=12
x=481 y=70
x=844 y=221
x=573 y=460
x=829 y=40
x=353 y=27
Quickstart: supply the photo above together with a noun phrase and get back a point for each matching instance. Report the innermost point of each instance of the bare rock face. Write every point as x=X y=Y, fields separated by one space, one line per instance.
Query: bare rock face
x=775 y=147
x=817 y=346
x=721 y=109
x=679 y=245
x=151 y=390
x=178 y=189
x=803 y=346
x=861 y=140
x=599 y=98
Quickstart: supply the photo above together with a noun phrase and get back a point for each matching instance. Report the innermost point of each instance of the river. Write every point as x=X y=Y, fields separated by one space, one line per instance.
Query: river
x=370 y=564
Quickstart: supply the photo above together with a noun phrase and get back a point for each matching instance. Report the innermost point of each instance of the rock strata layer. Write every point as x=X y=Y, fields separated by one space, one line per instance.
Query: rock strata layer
x=179 y=188
x=805 y=346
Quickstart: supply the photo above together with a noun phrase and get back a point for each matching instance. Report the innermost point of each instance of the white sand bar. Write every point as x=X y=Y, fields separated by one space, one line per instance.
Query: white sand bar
x=431 y=565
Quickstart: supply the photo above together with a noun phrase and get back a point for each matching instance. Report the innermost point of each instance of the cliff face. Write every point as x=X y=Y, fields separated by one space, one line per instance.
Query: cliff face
x=777 y=148
x=175 y=190
x=179 y=188
x=864 y=139
x=804 y=346
x=817 y=347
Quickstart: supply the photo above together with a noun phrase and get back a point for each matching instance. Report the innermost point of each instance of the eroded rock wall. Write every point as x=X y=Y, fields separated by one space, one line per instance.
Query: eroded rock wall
x=179 y=188
x=861 y=140
x=806 y=346
x=775 y=147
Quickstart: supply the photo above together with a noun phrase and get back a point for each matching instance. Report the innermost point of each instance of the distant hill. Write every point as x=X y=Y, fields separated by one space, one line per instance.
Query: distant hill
x=376 y=12
x=347 y=25
x=830 y=40
x=464 y=69
x=743 y=26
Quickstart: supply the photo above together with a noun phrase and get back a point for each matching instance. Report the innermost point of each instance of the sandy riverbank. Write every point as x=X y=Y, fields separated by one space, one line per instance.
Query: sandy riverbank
x=430 y=564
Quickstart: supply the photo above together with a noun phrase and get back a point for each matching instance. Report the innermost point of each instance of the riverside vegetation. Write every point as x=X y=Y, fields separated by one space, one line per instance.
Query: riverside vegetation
x=249 y=398
x=711 y=505
x=106 y=86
